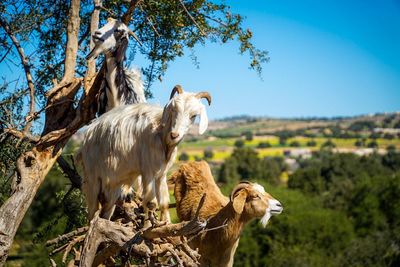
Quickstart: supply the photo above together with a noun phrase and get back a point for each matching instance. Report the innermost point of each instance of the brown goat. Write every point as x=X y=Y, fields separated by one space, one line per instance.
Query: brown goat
x=247 y=201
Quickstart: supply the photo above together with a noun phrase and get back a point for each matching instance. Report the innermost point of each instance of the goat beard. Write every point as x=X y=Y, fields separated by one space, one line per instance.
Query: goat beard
x=264 y=220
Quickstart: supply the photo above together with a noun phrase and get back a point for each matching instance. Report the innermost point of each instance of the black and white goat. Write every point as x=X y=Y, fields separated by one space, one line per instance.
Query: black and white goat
x=121 y=86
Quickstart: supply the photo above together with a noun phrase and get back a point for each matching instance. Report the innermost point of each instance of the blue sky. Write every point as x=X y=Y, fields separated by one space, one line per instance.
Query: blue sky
x=328 y=58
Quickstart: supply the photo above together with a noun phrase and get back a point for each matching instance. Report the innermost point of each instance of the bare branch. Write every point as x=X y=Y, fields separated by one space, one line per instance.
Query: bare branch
x=94 y=25
x=72 y=41
x=67 y=236
x=27 y=69
x=22 y=135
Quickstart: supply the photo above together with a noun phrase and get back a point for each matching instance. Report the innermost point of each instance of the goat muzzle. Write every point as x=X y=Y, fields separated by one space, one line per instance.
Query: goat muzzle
x=174 y=135
x=205 y=95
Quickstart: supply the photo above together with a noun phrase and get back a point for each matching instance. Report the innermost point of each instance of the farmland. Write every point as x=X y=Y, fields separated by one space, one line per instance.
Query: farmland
x=267 y=134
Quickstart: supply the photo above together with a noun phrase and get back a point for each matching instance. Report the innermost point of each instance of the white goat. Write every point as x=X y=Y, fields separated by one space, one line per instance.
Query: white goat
x=247 y=201
x=134 y=140
x=121 y=86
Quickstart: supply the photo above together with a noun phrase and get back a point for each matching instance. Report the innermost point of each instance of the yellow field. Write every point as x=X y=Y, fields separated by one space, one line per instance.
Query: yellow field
x=222 y=148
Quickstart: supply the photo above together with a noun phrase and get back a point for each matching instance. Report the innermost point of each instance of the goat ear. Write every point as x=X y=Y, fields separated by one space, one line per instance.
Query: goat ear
x=239 y=201
x=203 y=120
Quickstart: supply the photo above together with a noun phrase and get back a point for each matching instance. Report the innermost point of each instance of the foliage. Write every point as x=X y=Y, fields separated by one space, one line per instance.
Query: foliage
x=244 y=164
x=248 y=135
x=263 y=145
x=367 y=190
x=328 y=144
x=239 y=143
x=183 y=157
x=311 y=143
x=208 y=153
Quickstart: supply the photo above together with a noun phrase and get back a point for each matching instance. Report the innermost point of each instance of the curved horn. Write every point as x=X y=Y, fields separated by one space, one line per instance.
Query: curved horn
x=178 y=89
x=135 y=36
x=241 y=185
x=205 y=95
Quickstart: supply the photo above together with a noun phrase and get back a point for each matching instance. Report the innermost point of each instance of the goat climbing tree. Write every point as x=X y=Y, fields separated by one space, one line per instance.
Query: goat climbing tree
x=45 y=42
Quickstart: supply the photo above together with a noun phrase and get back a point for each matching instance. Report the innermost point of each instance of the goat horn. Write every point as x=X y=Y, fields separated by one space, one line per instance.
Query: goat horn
x=178 y=89
x=241 y=185
x=205 y=95
x=135 y=36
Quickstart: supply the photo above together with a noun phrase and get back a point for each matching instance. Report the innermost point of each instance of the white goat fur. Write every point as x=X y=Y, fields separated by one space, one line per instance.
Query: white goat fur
x=135 y=140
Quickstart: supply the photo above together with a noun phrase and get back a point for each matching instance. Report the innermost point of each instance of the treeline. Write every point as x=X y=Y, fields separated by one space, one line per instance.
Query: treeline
x=340 y=210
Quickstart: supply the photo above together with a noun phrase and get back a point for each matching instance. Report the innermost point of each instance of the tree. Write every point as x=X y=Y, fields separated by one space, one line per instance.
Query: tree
x=208 y=153
x=60 y=87
x=295 y=143
x=183 y=156
x=265 y=144
x=328 y=144
x=248 y=135
x=239 y=143
x=311 y=143
x=373 y=144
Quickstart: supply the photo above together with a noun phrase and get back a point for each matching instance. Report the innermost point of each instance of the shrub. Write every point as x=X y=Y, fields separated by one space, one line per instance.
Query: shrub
x=183 y=157
x=295 y=144
x=311 y=143
x=264 y=145
x=208 y=153
x=239 y=143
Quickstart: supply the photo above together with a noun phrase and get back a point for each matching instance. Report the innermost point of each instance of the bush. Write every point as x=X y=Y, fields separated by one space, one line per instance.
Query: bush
x=295 y=144
x=373 y=144
x=359 y=143
x=248 y=135
x=328 y=144
x=208 y=153
x=264 y=145
x=282 y=140
x=239 y=143
x=311 y=143
x=183 y=156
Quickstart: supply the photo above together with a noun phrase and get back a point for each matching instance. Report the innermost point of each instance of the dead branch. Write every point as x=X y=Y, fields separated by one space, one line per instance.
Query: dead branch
x=21 y=135
x=94 y=25
x=104 y=239
x=67 y=237
x=27 y=69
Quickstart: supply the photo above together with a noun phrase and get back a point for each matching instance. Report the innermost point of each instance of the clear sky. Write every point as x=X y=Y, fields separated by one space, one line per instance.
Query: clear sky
x=328 y=58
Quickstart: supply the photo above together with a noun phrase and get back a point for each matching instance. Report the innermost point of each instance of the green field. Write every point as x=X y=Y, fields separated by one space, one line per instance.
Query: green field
x=223 y=147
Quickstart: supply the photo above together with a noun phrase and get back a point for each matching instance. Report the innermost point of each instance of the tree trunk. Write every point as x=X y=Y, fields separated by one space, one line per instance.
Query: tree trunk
x=32 y=168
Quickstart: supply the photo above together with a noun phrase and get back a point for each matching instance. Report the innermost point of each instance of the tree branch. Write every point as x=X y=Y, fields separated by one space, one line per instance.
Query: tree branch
x=94 y=25
x=72 y=41
x=27 y=69
x=191 y=17
x=70 y=172
x=127 y=17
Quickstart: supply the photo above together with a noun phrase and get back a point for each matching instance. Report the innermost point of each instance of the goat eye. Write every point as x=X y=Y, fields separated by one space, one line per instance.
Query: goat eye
x=193 y=117
x=256 y=197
